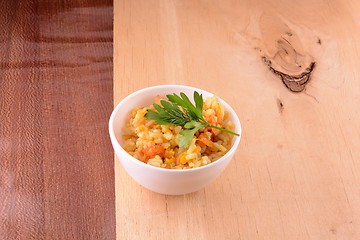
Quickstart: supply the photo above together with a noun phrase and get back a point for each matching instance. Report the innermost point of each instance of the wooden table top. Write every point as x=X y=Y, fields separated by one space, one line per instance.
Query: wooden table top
x=296 y=173
x=56 y=159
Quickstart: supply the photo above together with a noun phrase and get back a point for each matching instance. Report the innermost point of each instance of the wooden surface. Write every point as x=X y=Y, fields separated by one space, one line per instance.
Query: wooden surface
x=296 y=173
x=56 y=168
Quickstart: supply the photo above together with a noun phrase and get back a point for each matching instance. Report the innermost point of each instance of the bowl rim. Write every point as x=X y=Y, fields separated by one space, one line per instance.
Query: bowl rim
x=117 y=145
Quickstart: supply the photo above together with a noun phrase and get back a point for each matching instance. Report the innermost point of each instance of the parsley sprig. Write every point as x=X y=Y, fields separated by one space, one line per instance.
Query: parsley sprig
x=180 y=111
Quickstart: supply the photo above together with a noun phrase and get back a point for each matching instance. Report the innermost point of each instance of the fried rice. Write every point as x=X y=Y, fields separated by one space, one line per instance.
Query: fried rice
x=157 y=145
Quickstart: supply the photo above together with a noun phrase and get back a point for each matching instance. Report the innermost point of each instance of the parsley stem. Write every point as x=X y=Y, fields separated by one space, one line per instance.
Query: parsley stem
x=225 y=130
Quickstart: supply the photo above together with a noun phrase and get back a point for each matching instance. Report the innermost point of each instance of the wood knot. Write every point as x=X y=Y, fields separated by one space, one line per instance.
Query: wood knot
x=283 y=52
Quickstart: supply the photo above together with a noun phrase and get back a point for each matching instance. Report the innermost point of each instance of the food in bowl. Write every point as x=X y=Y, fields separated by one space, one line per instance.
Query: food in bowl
x=177 y=134
x=163 y=180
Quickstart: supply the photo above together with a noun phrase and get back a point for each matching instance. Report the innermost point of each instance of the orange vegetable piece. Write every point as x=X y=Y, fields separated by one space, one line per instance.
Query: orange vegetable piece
x=213 y=120
x=157 y=99
x=152 y=151
x=201 y=143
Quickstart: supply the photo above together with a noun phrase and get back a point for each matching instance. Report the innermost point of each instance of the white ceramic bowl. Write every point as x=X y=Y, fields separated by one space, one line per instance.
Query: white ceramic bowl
x=161 y=180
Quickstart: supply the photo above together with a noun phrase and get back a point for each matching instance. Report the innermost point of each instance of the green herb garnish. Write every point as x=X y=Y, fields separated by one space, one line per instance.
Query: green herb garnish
x=189 y=116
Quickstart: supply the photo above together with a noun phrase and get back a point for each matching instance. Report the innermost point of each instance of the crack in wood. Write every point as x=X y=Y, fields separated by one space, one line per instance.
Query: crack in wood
x=280 y=105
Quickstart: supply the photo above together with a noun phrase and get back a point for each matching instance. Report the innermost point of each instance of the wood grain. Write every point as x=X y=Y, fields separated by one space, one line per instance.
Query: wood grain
x=296 y=172
x=56 y=168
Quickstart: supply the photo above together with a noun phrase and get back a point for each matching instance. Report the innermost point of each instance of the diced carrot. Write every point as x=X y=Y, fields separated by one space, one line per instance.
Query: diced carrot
x=213 y=130
x=211 y=119
x=157 y=99
x=142 y=157
x=152 y=151
x=201 y=143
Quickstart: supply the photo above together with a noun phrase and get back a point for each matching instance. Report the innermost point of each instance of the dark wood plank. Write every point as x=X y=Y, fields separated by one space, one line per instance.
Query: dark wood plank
x=56 y=95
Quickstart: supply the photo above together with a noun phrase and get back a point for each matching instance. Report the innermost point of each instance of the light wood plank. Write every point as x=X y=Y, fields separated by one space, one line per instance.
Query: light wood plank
x=296 y=173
